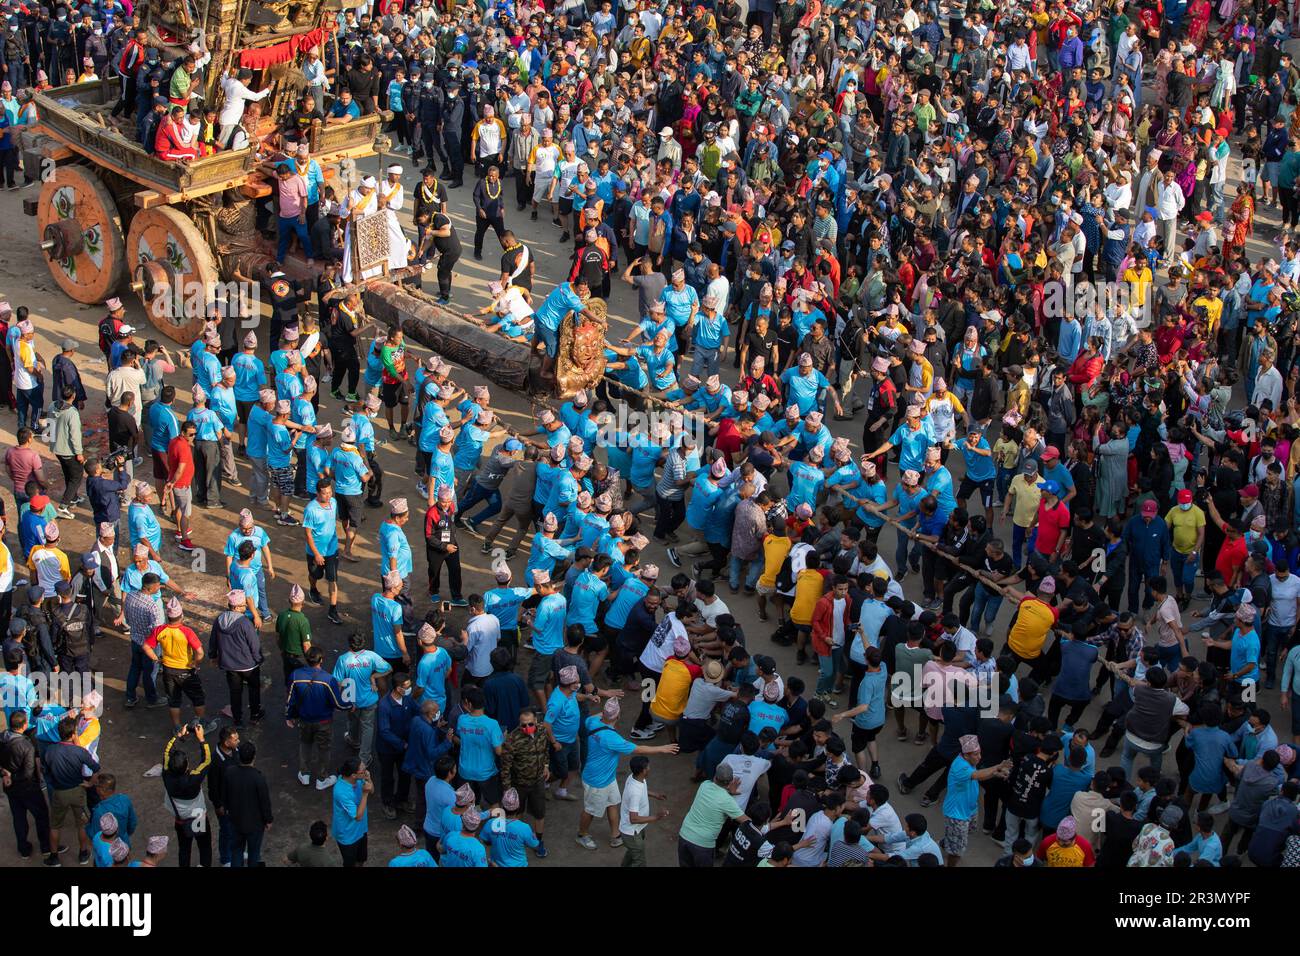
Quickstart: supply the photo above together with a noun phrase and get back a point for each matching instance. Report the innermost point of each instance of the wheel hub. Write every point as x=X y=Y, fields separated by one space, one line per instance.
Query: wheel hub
x=63 y=239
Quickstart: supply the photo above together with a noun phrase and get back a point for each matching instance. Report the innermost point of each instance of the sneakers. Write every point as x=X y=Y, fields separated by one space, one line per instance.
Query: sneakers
x=286 y=520
x=459 y=602
x=327 y=782
x=314 y=596
x=185 y=544
x=390 y=813
x=485 y=548
x=333 y=617
x=304 y=779
x=540 y=850
x=874 y=772
x=563 y=794
x=52 y=859
x=615 y=843
x=902 y=785
x=674 y=557
x=65 y=512
x=645 y=733
x=586 y=842
x=83 y=858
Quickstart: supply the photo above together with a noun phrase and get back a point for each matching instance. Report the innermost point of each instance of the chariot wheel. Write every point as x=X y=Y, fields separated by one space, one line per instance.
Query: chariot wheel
x=81 y=234
x=173 y=269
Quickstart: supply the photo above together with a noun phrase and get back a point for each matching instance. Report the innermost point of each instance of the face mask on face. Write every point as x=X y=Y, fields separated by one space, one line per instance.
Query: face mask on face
x=406 y=692
x=529 y=729
x=1186 y=507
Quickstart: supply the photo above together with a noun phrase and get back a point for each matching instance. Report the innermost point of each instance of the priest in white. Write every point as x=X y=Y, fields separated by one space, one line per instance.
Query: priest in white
x=362 y=201
x=391 y=199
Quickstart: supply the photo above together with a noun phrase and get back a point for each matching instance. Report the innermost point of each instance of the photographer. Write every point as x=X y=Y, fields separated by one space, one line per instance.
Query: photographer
x=184 y=794
x=105 y=490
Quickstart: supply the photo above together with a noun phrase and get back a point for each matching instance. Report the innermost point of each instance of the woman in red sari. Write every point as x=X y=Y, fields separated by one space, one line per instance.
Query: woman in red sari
x=1199 y=25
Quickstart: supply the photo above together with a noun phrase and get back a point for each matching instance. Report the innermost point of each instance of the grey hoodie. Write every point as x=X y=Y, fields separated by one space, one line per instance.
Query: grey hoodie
x=234 y=644
x=67 y=430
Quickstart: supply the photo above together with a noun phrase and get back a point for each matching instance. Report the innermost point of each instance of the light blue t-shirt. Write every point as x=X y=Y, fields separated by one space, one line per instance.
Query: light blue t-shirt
x=479 y=735
x=347 y=798
x=548 y=624
x=385 y=622
x=962 y=797
x=508 y=840
x=322 y=522
x=431 y=675
x=564 y=716
x=353 y=671
x=604 y=748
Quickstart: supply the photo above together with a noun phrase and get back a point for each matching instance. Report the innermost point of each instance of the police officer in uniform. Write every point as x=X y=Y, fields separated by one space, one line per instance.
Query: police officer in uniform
x=453 y=125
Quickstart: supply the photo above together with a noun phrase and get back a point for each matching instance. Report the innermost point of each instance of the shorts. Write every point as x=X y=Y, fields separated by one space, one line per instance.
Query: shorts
x=354 y=854
x=394 y=394
x=184 y=498
x=487 y=792
x=539 y=670
x=565 y=761
x=160 y=470
x=956 y=836
x=533 y=800
x=329 y=571
x=372 y=378
x=351 y=510
x=185 y=683
x=69 y=803
x=242 y=409
x=968 y=488
x=594 y=642
x=860 y=738
x=281 y=479
x=596 y=800
x=541 y=187
x=548 y=337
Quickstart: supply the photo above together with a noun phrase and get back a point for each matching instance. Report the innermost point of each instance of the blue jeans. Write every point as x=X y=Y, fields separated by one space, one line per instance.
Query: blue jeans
x=1184 y=570
x=226 y=840
x=475 y=494
x=263 y=607
x=825 y=673
x=289 y=226
x=986 y=604
x=1275 y=638
x=1018 y=536
x=754 y=572
x=1131 y=751
x=250 y=842
x=1004 y=481
x=140 y=668
x=31 y=401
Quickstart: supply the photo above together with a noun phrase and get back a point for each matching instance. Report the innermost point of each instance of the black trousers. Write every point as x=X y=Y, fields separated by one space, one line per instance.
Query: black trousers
x=446 y=264
x=188 y=837
x=22 y=802
x=346 y=362
x=455 y=158
x=390 y=773
x=375 y=486
x=73 y=472
x=523 y=189
x=290 y=662
x=482 y=224
x=1059 y=703
x=932 y=762
x=207 y=464
x=644 y=719
x=436 y=560
x=669 y=515
x=236 y=681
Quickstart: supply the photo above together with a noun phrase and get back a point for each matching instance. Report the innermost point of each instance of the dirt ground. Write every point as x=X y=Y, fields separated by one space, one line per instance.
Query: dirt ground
x=133 y=740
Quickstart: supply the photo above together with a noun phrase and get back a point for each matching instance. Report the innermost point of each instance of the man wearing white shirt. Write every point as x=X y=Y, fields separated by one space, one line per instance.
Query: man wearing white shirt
x=1219 y=151
x=1119 y=196
x=634 y=811
x=1268 y=383
x=747 y=767
x=1169 y=203
x=1018 y=56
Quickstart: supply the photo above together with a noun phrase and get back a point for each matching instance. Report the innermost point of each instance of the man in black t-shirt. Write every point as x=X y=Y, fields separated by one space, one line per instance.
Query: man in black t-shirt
x=748 y=837
x=442 y=235
x=516 y=262
x=297 y=124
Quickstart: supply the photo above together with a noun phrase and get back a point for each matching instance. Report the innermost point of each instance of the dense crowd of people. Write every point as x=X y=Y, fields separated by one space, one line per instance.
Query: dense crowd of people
x=999 y=236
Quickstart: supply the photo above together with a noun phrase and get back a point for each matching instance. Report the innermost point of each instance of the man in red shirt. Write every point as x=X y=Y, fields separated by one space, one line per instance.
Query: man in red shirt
x=23 y=462
x=1232 y=553
x=1051 y=521
x=180 y=475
